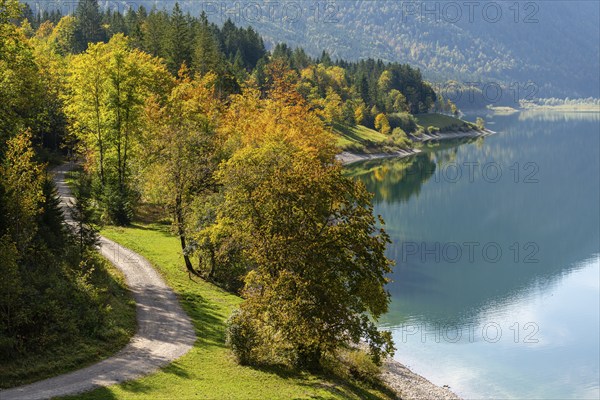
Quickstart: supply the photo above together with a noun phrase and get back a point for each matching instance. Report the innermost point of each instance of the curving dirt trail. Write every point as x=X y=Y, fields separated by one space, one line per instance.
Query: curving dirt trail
x=164 y=331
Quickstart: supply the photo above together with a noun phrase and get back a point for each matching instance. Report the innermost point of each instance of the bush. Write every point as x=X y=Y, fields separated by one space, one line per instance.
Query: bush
x=361 y=366
x=400 y=139
x=404 y=121
x=355 y=148
x=241 y=337
x=118 y=204
x=480 y=123
x=353 y=363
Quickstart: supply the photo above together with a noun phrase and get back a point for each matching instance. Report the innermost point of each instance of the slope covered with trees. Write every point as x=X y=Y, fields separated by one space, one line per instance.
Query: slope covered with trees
x=342 y=91
x=59 y=303
x=552 y=44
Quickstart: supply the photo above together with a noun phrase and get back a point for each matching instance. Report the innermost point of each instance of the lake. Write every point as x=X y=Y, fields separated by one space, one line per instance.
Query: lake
x=496 y=240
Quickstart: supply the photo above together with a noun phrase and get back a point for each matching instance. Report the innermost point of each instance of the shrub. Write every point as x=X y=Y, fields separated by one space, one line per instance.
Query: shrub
x=353 y=363
x=118 y=204
x=404 y=121
x=400 y=139
x=355 y=148
x=480 y=123
x=241 y=337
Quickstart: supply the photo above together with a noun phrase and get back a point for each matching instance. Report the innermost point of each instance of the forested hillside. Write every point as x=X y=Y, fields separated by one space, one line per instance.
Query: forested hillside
x=551 y=43
x=379 y=95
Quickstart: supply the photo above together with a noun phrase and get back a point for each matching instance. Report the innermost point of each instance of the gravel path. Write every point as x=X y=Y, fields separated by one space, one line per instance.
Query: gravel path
x=164 y=331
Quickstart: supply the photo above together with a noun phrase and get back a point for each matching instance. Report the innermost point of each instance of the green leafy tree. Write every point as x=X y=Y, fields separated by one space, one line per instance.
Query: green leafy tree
x=85 y=215
x=105 y=102
x=21 y=181
x=49 y=48
x=385 y=81
x=155 y=28
x=180 y=151
x=206 y=56
x=178 y=40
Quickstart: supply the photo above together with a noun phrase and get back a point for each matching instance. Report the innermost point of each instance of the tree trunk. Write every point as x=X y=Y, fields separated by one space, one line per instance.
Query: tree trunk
x=181 y=232
x=212 y=261
x=309 y=358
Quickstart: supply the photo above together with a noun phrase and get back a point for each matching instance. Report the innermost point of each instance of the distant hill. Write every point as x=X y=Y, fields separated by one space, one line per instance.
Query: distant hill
x=554 y=44
x=559 y=53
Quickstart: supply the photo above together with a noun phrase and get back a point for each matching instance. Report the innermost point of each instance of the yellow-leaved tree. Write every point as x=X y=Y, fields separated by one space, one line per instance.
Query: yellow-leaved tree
x=181 y=150
x=308 y=236
x=105 y=100
x=382 y=124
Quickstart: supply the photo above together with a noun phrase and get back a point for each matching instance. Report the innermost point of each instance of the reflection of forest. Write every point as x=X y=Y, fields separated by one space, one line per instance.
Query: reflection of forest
x=558 y=116
x=397 y=180
x=559 y=214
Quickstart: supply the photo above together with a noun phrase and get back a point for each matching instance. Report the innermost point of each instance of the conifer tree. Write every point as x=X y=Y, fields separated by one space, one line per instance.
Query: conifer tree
x=89 y=24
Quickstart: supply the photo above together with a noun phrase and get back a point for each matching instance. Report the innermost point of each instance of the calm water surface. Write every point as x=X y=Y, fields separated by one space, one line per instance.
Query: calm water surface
x=497 y=247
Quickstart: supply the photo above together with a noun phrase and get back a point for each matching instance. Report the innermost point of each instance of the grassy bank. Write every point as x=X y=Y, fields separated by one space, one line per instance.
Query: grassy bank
x=209 y=370
x=360 y=139
x=443 y=122
x=78 y=352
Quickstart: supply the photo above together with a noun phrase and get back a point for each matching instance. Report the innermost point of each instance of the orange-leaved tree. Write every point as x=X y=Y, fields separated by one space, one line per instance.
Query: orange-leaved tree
x=316 y=259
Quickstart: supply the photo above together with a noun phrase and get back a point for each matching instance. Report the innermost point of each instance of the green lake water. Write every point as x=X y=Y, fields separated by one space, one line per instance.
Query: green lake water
x=495 y=291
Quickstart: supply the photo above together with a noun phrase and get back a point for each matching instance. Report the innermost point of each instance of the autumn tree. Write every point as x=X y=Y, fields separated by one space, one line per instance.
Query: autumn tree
x=107 y=89
x=317 y=259
x=180 y=150
x=332 y=111
x=20 y=86
x=359 y=113
x=382 y=124
x=63 y=37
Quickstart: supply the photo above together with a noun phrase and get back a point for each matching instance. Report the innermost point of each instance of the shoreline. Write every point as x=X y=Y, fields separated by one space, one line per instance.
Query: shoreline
x=348 y=157
x=409 y=385
x=428 y=137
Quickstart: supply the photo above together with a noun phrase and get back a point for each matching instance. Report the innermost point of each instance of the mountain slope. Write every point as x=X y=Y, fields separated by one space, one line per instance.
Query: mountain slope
x=552 y=43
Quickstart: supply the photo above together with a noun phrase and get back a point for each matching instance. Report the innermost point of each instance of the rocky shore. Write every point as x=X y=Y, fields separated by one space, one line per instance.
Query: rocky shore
x=411 y=386
x=347 y=157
